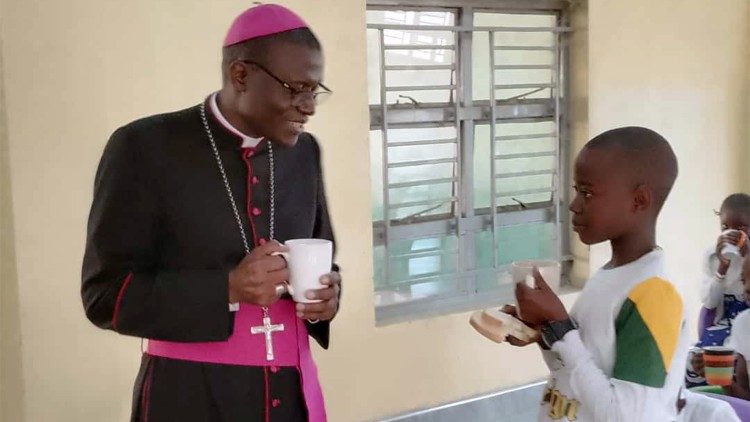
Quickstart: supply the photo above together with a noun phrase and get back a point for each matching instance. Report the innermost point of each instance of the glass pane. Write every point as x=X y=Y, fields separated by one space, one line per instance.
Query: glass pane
x=481 y=62
x=409 y=153
x=514 y=243
x=421 y=134
x=523 y=241
x=411 y=17
x=523 y=76
x=416 y=173
x=514 y=19
x=418 y=268
x=402 y=154
x=441 y=286
x=524 y=182
x=394 y=37
x=419 y=77
x=420 y=193
x=482 y=176
x=409 y=214
x=509 y=94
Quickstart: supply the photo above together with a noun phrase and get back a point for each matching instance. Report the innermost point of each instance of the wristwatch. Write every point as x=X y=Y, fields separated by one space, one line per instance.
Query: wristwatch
x=553 y=331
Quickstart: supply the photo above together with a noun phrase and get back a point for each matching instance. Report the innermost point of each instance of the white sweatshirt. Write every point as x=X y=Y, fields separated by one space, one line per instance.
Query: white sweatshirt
x=701 y=408
x=739 y=340
x=626 y=361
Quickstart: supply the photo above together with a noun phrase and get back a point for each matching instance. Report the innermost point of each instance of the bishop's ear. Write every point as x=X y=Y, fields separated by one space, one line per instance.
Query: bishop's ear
x=238 y=75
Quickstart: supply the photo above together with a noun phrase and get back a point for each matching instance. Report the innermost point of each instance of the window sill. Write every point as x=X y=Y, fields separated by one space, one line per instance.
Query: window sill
x=400 y=308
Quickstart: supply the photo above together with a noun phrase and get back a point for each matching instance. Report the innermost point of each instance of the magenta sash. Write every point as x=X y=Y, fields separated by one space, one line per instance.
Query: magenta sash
x=291 y=347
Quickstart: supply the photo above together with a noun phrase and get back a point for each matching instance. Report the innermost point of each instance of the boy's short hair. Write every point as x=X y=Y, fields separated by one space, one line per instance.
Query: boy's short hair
x=647 y=156
x=739 y=202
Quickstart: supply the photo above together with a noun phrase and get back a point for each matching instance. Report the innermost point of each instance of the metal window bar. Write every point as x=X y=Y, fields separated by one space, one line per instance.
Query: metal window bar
x=524 y=173
x=524 y=155
x=439 y=201
x=421 y=162
x=428 y=142
x=458 y=205
x=523 y=86
x=420 y=88
x=555 y=181
x=423 y=182
x=523 y=192
x=524 y=67
x=524 y=48
x=425 y=252
x=384 y=151
x=423 y=278
x=493 y=148
x=525 y=137
x=420 y=67
x=418 y=47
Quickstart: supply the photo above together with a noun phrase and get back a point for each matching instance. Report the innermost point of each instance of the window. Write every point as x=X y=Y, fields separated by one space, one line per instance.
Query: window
x=467 y=130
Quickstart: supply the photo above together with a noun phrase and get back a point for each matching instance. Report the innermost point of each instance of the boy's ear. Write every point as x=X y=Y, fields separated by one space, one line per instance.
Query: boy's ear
x=642 y=198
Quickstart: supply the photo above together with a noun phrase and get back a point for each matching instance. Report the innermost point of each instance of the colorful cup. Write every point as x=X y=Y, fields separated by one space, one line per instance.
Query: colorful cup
x=719 y=365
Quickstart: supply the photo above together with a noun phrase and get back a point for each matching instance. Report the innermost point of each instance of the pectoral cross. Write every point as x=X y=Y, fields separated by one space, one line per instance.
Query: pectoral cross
x=267 y=329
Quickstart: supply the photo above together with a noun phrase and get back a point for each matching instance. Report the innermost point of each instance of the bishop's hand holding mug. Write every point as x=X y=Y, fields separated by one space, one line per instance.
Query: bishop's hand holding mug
x=312 y=284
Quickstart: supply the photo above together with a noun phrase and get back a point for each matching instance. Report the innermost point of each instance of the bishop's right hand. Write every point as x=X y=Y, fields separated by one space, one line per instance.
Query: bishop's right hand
x=255 y=278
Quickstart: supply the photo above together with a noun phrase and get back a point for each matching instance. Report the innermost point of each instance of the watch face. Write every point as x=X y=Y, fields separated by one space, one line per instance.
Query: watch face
x=548 y=336
x=556 y=330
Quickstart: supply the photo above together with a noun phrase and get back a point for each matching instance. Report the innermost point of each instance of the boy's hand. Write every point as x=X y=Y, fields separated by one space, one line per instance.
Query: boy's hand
x=540 y=304
x=511 y=310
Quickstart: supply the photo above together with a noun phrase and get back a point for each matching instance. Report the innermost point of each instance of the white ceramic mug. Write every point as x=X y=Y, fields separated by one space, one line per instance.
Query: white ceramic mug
x=307 y=260
x=522 y=272
x=730 y=250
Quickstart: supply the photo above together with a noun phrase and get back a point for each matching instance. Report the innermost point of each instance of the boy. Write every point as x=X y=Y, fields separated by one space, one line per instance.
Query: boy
x=619 y=355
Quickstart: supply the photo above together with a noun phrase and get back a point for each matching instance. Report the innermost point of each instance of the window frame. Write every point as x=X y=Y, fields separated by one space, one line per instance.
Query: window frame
x=469 y=221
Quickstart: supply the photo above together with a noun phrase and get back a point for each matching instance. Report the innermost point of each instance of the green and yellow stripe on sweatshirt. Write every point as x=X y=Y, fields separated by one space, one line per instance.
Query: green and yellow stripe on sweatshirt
x=647 y=329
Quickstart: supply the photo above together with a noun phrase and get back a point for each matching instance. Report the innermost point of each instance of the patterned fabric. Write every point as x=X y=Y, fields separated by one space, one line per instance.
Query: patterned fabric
x=716 y=335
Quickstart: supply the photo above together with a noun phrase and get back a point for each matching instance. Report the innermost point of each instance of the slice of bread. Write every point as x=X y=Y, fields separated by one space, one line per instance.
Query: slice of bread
x=496 y=325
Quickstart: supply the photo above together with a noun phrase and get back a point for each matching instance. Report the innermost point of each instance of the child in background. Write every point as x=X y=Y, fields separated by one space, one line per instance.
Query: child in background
x=722 y=288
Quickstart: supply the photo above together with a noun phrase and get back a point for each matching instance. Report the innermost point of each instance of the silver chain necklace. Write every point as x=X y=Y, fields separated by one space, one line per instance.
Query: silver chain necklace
x=272 y=198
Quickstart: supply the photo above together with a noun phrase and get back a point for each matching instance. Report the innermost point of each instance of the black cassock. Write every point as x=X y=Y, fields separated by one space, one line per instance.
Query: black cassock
x=161 y=241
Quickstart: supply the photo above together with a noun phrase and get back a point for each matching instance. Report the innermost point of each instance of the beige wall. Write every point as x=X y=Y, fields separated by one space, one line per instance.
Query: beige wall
x=681 y=68
x=93 y=65
x=11 y=377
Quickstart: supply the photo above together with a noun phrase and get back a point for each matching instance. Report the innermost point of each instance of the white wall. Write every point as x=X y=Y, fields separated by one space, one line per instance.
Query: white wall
x=74 y=70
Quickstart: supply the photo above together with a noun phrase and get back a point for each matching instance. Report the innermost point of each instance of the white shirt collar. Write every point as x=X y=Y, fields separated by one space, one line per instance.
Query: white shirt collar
x=247 y=141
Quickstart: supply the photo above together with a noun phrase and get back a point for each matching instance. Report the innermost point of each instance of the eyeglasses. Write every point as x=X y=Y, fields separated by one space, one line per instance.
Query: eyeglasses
x=318 y=96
